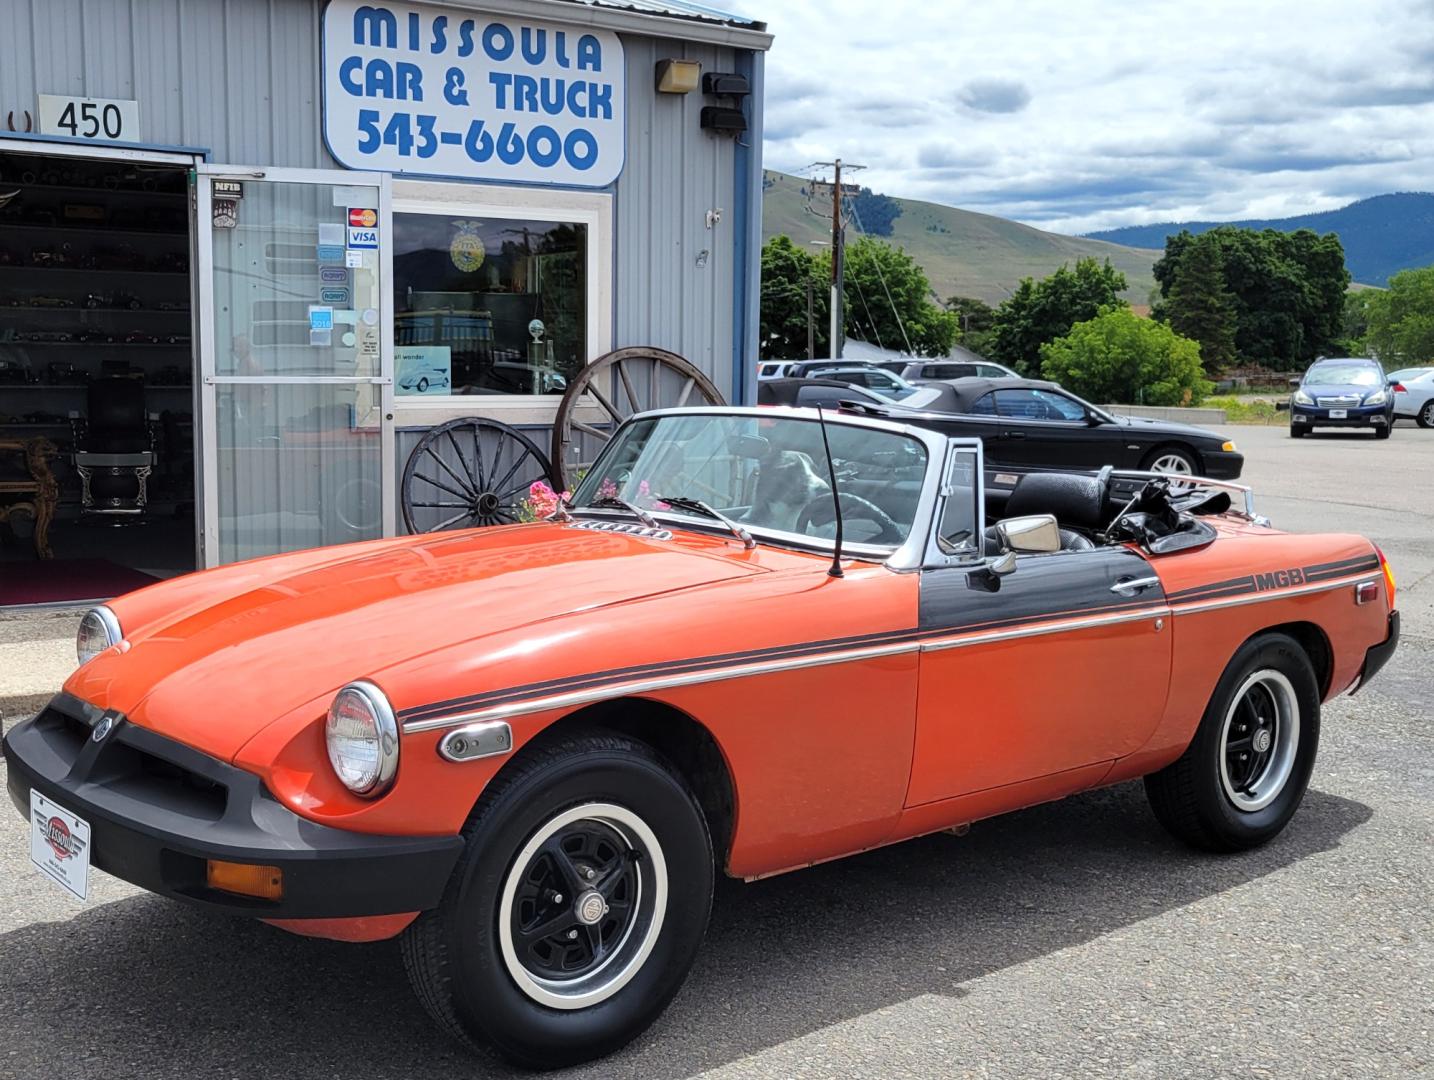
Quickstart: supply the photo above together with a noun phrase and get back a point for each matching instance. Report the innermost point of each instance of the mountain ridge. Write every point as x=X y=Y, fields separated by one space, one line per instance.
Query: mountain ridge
x=964 y=253
x=1381 y=234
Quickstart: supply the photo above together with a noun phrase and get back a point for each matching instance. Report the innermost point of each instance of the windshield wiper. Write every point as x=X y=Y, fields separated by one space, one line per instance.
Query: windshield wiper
x=697 y=506
x=622 y=504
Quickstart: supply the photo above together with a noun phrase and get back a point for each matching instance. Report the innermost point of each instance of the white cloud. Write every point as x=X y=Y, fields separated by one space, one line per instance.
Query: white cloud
x=1083 y=115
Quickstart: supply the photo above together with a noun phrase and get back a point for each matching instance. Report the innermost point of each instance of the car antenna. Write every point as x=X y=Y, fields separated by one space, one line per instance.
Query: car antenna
x=835 y=570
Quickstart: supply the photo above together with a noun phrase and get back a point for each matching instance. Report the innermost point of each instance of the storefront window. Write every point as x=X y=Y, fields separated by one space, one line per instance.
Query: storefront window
x=488 y=305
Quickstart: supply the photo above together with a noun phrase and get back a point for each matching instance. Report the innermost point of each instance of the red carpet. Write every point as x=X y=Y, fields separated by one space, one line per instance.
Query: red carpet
x=53 y=581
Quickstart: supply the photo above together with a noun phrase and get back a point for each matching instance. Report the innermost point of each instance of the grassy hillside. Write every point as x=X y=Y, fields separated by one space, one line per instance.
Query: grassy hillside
x=963 y=253
x=1381 y=235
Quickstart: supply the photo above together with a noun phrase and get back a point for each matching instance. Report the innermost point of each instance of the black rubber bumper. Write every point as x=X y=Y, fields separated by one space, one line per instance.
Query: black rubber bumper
x=1378 y=655
x=158 y=810
x=1222 y=464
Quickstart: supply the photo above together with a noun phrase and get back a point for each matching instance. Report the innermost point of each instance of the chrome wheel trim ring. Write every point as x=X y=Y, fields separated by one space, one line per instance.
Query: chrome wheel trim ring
x=627 y=956
x=1265 y=787
x=1172 y=463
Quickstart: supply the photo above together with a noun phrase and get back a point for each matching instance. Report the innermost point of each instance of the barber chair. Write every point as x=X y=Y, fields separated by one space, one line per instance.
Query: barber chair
x=114 y=451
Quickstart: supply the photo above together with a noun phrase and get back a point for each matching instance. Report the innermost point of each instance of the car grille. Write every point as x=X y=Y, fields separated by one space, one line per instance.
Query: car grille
x=1338 y=402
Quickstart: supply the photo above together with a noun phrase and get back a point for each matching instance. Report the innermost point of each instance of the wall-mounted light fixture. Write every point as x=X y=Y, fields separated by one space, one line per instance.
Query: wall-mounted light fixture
x=725 y=84
x=678 y=76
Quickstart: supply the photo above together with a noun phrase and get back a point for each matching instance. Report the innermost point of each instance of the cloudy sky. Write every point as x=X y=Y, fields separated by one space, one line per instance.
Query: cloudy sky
x=1088 y=114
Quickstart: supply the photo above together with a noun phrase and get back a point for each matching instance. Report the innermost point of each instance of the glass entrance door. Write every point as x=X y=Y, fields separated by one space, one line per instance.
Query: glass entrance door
x=294 y=444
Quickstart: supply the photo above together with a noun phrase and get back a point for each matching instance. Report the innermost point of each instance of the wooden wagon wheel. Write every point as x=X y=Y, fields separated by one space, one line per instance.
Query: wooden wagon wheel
x=621 y=383
x=470 y=472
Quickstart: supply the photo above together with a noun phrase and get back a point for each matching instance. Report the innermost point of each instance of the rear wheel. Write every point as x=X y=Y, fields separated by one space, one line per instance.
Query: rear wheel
x=1244 y=774
x=576 y=909
x=1426 y=415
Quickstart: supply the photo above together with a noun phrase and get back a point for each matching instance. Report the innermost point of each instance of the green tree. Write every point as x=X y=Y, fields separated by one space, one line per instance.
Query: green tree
x=888 y=300
x=1120 y=358
x=1287 y=290
x=1401 y=319
x=1199 y=306
x=787 y=270
x=1041 y=311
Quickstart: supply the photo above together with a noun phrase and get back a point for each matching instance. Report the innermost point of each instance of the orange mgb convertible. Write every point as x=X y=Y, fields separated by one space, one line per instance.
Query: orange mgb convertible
x=753 y=639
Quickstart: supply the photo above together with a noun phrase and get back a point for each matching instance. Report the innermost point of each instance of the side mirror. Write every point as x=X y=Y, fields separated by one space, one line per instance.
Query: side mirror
x=1282 y=406
x=1094 y=419
x=987 y=578
x=1295 y=380
x=1036 y=534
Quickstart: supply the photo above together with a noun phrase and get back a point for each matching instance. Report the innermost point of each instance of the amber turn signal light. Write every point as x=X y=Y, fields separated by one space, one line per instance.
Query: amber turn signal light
x=245 y=879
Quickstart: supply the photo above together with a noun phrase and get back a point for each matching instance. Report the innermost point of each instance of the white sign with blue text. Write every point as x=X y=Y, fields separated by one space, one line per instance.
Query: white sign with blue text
x=430 y=91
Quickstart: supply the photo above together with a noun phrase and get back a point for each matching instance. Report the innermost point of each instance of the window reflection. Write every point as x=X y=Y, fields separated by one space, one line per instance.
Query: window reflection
x=487 y=305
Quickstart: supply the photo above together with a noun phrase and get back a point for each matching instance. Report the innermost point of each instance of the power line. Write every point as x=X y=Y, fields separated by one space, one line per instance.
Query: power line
x=856 y=216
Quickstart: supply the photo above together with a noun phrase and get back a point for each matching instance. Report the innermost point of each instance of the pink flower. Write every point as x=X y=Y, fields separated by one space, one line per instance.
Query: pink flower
x=607 y=489
x=543 y=499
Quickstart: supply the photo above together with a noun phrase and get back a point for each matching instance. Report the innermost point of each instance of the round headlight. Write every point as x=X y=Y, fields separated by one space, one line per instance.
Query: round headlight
x=362 y=738
x=99 y=630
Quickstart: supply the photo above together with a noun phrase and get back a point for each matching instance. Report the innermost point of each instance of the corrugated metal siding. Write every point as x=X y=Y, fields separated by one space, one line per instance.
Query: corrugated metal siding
x=240 y=77
x=675 y=173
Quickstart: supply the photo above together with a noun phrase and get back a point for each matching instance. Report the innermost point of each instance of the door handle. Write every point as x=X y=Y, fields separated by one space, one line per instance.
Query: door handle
x=1133 y=585
x=1013 y=434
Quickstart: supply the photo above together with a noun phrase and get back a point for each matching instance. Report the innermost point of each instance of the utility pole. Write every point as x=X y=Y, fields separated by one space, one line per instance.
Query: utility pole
x=838 y=252
x=811 y=324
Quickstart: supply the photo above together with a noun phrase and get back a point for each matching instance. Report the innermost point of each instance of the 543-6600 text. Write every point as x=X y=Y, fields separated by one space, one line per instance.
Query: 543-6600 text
x=417 y=135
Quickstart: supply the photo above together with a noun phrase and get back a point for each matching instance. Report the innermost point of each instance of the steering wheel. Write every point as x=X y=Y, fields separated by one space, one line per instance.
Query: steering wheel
x=819 y=511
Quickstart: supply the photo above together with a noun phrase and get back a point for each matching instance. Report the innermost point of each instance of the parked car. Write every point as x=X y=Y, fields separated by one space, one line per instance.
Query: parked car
x=1413 y=394
x=949 y=370
x=1029 y=425
x=536 y=786
x=1343 y=391
x=832 y=394
x=803 y=369
x=880 y=382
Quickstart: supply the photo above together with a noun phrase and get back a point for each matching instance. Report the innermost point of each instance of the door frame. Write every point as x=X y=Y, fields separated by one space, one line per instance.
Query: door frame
x=206 y=392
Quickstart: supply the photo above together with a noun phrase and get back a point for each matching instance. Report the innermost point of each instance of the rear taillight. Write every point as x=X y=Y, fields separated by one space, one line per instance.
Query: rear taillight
x=1388 y=574
x=1398 y=388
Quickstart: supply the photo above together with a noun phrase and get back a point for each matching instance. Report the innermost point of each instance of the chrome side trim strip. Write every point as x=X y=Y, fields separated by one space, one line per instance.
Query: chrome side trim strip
x=1088 y=623
x=1273 y=594
x=602 y=693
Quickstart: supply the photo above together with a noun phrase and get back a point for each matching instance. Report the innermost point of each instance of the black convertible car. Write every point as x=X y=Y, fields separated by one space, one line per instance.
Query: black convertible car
x=1028 y=425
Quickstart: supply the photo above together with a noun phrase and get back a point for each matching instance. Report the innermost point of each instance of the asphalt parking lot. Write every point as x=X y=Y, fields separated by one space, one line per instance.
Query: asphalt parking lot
x=1071 y=940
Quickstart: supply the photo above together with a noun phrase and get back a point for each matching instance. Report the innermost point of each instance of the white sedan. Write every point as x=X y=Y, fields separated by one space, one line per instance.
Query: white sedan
x=1414 y=394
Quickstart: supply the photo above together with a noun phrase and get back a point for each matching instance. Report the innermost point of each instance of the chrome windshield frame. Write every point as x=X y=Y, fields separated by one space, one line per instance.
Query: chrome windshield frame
x=909 y=554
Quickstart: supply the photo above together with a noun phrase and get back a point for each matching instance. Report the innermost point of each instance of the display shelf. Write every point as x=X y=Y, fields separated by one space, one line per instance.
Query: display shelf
x=32 y=185
x=82 y=310
x=93 y=270
x=82 y=386
x=100 y=344
x=93 y=227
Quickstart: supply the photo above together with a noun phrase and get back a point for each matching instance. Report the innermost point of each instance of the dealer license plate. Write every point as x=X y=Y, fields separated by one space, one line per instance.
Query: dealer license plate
x=60 y=845
x=1338 y=414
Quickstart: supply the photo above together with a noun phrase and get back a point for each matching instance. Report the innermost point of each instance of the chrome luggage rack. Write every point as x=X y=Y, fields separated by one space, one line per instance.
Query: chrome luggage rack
x=1190 y=481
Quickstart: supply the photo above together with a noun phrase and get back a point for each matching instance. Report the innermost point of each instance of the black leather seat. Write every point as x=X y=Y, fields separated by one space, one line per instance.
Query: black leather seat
x=1078 y=503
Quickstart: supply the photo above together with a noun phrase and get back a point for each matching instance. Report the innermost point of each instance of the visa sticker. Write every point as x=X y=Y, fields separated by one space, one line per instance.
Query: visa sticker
x=362 y=236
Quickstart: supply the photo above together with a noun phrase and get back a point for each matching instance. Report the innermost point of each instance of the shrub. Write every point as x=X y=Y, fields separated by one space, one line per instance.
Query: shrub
x=1120 y=358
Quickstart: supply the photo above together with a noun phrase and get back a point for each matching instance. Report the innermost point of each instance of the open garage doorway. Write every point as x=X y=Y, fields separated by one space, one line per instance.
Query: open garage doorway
x=97 y=448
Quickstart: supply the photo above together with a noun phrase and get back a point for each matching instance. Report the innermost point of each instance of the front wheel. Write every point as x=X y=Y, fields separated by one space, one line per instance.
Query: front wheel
x=1297 y=432
x=1171 y=459
x=1385 y=431
x=576 y=909
x=1244 y=774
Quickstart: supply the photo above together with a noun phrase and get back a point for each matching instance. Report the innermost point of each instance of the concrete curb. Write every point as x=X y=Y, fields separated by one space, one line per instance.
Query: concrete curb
x=1169 y=412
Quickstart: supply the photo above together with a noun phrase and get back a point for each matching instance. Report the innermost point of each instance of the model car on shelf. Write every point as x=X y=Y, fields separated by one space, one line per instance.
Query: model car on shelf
x=118 y=299
x=46 y=302
x=759 y=641
x=138 y=337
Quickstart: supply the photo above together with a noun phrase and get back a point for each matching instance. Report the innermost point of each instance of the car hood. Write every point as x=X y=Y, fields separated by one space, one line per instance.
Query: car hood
x=213 y=675
x=1169 y=427
x=1339 y=390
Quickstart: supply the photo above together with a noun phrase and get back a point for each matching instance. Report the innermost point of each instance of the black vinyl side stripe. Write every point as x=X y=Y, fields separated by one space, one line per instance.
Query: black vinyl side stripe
x=693 y=665
x=1312 y=574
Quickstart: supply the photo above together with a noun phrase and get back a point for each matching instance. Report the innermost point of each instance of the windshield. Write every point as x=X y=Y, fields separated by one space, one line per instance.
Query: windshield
x=1355 y=373
x=767 y=473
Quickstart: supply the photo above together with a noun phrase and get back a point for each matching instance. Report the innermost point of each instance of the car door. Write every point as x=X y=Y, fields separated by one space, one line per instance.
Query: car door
x=1063 y=663
x=1045 y=429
